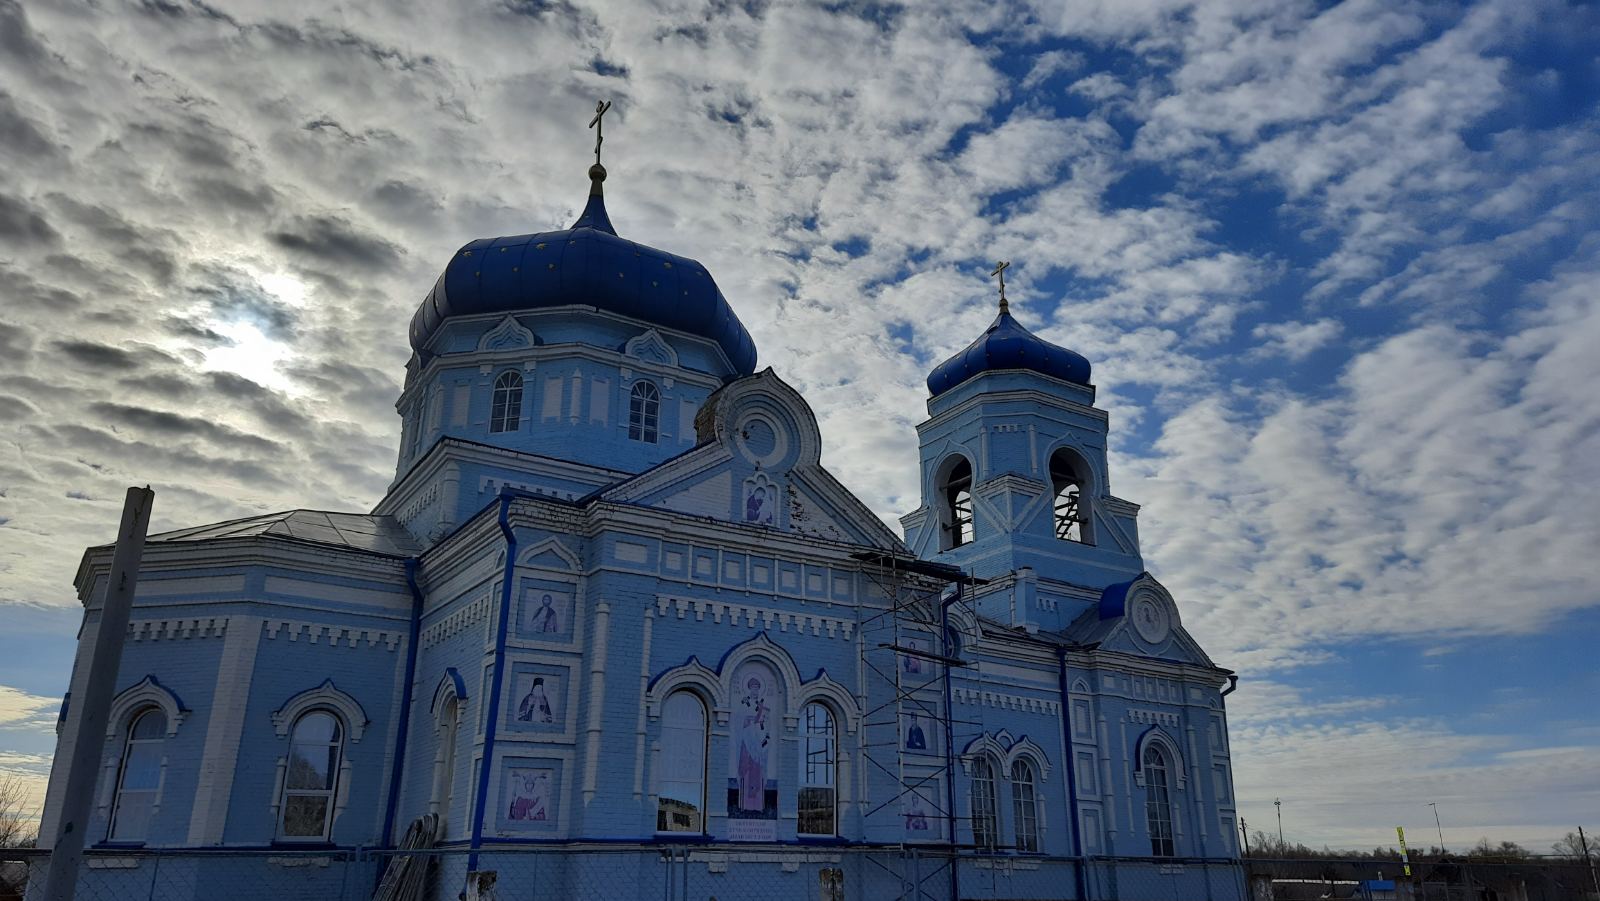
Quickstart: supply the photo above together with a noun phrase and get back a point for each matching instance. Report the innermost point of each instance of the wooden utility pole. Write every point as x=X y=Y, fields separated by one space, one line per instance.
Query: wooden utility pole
x=94 y=708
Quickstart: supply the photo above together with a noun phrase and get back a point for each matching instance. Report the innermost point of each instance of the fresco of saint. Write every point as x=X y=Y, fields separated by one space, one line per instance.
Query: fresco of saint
x=530 y=795
x=535 y=706
x=753 y=740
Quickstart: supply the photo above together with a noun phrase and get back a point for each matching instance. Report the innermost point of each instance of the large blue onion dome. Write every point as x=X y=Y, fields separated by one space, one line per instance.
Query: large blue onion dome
x=586 y=264
x=1005 y=344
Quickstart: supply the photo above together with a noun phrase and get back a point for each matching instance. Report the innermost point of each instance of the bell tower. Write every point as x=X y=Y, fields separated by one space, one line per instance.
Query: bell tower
x=1015 y=486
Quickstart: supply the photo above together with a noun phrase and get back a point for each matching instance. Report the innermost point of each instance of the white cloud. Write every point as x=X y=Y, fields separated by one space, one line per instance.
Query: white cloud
x=1295 y=340
x=19 y=709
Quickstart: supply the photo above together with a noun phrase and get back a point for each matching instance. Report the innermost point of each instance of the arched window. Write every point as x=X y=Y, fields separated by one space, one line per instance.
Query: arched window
x=985 y=808
x=444 y=762
x=139 y=777
x=644 y=412
x=311 y=778
x=819 y=767
x=1067 y=484
x=1157 y=802
x=506 y=412
x=958 y=503
x=681 y=800
x=1024 y=806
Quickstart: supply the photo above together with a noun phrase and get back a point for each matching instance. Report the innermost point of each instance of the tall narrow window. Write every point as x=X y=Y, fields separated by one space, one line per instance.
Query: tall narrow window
x=311 y=779
x=958 y=500
x=1067 y=489
x=1024 y=806
x=819 y=764
x=644 y=412
x=505 y=414
x=681 y=800
x=444 y=762
x=1157 y=802
x=985 y=808
x=139 y=778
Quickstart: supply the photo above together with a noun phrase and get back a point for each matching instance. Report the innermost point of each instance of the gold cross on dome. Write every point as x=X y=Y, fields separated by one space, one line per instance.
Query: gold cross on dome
x=1000 y=271
x=600 y=108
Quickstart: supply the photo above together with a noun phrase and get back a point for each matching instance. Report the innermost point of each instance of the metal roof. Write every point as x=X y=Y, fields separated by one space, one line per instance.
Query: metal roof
x=586 y=264
x=354 y=531
x=1005 y=344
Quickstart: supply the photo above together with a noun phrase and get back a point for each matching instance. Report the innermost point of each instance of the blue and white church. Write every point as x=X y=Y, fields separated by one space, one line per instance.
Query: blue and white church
x=613 y=599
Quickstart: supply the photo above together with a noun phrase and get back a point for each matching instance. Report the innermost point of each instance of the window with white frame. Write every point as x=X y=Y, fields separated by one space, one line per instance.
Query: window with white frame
x=819 y=766
x=138 y=776
x=644 y=412
x=505 y=414
x=444 y=761
x=1024 y=805
x=681 y=796
x=985 y=807
x=1157 y=802
x=311 y=778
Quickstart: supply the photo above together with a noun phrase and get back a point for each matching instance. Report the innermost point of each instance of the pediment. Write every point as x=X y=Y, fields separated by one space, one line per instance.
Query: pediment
x=509 y=334
x=758 y=465
x=650 y=347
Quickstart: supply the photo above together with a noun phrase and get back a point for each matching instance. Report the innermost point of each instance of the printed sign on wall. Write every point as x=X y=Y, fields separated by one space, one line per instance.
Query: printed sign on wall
x=752 y=771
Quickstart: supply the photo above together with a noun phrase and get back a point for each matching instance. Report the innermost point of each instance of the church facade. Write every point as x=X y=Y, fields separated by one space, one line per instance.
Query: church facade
x=613 y=599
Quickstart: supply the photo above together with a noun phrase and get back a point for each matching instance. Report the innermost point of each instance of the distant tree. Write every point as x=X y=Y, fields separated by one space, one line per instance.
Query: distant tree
x=1571 y=847
x=1503 y=851
x=17 y=829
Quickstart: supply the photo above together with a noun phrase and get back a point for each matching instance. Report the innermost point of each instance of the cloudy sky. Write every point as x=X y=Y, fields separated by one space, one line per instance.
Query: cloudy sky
x=1337 y=267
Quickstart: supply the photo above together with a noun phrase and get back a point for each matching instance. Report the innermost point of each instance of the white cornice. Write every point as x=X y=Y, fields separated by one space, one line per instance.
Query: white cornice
x=256 y=550
x=1029 y=395
x=627 y=321
x=448 y=448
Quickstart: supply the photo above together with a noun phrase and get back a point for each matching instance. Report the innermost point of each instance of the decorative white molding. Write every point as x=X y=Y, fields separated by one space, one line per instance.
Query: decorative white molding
x=550 y=546
x=651 y=347
x=325 y=695
x=986 y=698
x=1025 y=747
x=173 y=629
x=833 y=694
x=762 y=648
x=694 y=676
x=467 y=616
x=333 y=636
x=752 y=616
x=1153 y=717
x=147 y=692
x=508 y=335
x=451 y=685
x=1155 y=735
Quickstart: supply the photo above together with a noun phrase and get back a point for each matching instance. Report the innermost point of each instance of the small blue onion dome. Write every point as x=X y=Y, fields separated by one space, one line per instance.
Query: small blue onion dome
x=586 y=264
x=1005 y=344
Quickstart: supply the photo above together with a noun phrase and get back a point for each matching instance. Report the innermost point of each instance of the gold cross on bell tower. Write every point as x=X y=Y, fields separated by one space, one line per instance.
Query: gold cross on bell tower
x=1000 y=271
x=600 y=109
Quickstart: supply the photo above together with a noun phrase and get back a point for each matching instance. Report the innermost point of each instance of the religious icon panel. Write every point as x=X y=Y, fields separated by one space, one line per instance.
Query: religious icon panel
x=753 y=750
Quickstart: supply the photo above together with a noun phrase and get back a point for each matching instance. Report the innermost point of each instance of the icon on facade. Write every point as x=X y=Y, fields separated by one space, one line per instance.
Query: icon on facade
x=752 y=786
x=544 y=615
x=535 y=706
x=530 y=795
x=916 y=740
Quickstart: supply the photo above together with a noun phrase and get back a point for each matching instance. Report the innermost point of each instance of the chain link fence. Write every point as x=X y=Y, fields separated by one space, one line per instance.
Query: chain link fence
x=1447 y=879
x=788 y=873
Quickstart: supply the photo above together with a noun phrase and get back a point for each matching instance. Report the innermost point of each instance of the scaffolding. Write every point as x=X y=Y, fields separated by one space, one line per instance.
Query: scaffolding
x=910 y=734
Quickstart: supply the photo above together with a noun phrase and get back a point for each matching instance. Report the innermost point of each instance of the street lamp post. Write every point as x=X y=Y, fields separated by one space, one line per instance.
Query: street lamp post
x=1437 y=826
x=1278 y=803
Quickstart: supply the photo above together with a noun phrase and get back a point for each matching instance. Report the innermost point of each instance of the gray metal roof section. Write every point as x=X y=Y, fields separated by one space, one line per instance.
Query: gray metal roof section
x=373 y=534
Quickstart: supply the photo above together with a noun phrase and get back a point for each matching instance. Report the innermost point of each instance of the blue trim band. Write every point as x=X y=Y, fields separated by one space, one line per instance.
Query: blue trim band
x=404 y=730
x=493 y=710
x=1072 y=773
